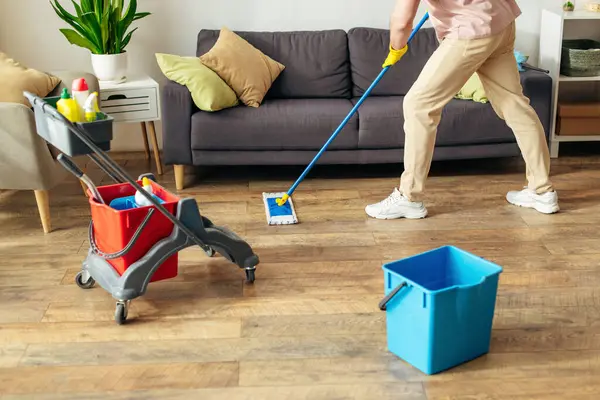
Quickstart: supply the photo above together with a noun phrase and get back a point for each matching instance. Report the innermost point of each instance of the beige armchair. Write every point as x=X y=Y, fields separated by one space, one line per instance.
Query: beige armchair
x=26 y=161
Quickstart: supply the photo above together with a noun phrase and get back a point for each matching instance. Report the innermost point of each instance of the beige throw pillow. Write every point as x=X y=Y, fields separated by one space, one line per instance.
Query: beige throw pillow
x=15 y=78
x=248 y=71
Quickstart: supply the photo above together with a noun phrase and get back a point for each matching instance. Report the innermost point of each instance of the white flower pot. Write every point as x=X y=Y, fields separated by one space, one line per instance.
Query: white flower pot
x=110 y=68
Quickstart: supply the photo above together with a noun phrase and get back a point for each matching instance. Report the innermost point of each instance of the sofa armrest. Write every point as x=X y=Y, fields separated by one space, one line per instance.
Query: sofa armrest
x=177 y=110
x=537 y=86
x=25 y=159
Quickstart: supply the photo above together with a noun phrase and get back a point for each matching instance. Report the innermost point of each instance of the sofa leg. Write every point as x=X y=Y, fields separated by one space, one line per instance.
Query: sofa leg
x=179 y=176
x=43 y=203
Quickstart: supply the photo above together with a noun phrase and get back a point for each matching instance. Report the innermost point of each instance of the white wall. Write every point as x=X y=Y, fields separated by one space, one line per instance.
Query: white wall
x=29 y=30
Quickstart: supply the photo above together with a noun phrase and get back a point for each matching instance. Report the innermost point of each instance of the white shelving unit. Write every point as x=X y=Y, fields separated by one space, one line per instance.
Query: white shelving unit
x=558 y=25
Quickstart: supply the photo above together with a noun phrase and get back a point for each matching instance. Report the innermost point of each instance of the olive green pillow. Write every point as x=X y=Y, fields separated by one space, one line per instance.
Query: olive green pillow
x=209 y=92
x=473 y=90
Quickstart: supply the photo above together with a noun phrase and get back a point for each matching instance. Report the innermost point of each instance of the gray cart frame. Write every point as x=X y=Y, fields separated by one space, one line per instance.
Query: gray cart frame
x=190 y=228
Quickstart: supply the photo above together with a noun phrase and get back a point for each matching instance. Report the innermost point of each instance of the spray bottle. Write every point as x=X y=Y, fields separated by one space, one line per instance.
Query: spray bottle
x=140 y=200
x=91 y=107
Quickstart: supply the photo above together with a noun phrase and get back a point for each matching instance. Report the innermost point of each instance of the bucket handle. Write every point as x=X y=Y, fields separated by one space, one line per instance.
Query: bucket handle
x=383 y=303
x=125 y=250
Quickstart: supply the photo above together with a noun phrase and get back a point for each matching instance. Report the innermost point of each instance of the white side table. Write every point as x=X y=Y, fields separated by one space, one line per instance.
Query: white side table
x=136 y=100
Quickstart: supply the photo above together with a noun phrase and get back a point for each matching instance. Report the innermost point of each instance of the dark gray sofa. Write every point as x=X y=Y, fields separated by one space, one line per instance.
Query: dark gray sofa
x=326 y=72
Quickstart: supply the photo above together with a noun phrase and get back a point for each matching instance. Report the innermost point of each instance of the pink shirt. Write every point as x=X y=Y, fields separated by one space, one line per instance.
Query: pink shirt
x=470 y=19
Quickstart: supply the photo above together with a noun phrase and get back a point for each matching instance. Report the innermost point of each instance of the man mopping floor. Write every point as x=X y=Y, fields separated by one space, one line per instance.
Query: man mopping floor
x=476 y=36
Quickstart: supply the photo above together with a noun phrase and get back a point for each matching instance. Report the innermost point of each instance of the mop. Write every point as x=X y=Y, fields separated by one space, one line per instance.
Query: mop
x=279 y=206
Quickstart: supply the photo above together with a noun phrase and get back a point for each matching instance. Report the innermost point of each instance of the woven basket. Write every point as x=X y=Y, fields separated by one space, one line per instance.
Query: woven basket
x=593 y=6
x=580 y=57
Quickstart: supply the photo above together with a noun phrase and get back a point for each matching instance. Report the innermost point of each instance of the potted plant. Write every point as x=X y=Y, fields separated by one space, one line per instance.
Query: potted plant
x=568 y=6
x=102 y=27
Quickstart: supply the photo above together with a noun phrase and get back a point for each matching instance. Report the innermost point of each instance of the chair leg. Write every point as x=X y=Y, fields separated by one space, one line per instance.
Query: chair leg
x=179 y=176
x=43 y=203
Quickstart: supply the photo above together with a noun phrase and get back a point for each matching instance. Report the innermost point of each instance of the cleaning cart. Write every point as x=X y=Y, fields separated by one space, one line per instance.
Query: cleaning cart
x=131 y=247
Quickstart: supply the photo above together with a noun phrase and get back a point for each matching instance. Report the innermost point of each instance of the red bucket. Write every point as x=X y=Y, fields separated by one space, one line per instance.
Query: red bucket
x=113 y=229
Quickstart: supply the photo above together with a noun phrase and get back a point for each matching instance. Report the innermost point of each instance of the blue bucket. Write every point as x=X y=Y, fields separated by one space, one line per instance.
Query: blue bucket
x=440 y=307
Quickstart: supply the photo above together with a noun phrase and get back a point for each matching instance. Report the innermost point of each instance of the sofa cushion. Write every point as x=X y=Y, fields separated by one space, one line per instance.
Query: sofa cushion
x=368 y=49
x=247 y=70
x=15 y=78
x=208 y=90
x=290 y=124
x=381 y=124
x=469 y=122
x=316 y=62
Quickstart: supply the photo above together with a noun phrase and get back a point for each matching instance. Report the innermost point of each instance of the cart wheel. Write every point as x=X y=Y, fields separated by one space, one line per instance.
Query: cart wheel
x=121 y=313
x=250 y=275
x=210 y=252
x=84 y=284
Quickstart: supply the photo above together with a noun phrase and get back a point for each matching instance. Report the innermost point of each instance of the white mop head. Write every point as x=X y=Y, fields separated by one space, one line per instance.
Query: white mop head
x=276 y=214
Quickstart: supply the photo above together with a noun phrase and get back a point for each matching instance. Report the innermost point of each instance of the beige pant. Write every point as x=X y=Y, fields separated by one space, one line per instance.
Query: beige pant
x=448 y=69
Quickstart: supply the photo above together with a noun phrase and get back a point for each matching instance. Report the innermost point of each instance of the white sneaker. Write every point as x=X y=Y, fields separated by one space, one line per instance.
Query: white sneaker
x=546 y=203
x=396 y=206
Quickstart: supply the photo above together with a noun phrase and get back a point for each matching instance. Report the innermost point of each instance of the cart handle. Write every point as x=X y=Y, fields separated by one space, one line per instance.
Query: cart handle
x=125 y=250
x=47 y=108
x=383 y=303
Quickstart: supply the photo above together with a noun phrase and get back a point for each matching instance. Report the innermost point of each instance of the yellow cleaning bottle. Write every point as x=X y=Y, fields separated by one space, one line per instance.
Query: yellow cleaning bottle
x=68 y=107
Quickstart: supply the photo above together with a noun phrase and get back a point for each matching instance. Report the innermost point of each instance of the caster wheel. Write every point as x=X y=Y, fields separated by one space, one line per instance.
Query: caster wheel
x=121 y=313
x=84 y=284
x=250 y=275
x=210 y=252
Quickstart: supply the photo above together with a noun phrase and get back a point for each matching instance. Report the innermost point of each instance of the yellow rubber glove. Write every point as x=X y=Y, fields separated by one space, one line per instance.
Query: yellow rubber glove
x=394 y=56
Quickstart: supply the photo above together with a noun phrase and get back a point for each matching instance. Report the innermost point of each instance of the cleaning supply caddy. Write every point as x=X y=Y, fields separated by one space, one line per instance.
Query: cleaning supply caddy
x=131 y=247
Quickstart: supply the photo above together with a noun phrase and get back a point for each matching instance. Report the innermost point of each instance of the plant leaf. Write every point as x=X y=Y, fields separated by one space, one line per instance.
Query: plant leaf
x=141 y=15
x=87 y=6
x=70 y=21
x=98 y=7
x=64 y=12
x=127 y=39
x=123 y=25
x=77 y=24
x=86 y=30
x=119 y=6
x=77 y=9
x=115 y=37
x=105 y=28
x=95 y=30
x=76 y=39
x=129 y=16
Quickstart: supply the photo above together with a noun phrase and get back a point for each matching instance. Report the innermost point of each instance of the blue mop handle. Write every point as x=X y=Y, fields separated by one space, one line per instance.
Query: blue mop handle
x=352 y=112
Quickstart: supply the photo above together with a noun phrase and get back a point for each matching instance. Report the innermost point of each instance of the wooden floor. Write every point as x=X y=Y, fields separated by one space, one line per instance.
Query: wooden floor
x=309 y=328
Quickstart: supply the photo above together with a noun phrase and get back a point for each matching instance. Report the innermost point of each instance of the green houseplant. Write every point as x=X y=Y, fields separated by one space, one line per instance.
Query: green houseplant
x=103 y=28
